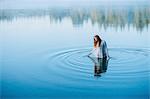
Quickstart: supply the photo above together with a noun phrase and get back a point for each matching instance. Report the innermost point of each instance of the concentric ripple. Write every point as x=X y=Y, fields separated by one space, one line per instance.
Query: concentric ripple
x=76 y=70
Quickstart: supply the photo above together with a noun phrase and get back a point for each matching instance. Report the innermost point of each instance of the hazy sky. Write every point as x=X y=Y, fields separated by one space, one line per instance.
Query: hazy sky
x=51 y=3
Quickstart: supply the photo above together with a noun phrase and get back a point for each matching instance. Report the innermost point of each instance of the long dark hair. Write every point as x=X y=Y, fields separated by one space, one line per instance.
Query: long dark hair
x=98 y=40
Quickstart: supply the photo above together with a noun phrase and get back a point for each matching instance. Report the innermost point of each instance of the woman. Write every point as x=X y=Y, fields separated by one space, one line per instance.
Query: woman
x=100 y=48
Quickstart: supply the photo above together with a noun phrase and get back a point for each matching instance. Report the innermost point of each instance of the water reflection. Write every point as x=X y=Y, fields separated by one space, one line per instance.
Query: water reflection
x=138 y=17
x=100 y=66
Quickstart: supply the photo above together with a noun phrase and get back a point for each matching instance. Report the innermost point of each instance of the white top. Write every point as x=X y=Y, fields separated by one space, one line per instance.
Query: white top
x=100 y=52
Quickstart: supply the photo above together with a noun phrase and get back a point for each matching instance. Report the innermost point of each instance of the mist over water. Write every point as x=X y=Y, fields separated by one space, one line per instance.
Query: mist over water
x=36 y=4
x=44 y=50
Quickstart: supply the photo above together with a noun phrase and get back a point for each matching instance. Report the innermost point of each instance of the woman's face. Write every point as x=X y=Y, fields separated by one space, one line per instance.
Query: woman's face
x=95 y=39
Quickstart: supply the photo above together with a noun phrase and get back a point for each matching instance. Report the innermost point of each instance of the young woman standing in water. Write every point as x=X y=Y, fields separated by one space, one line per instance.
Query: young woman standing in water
x=100 y=48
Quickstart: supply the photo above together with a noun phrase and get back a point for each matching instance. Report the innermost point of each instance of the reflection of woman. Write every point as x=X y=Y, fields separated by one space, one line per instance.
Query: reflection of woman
x=100 y=48
x=100 y=65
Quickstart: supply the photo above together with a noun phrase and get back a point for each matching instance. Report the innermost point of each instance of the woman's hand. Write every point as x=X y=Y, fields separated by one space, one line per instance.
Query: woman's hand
x=89 y=55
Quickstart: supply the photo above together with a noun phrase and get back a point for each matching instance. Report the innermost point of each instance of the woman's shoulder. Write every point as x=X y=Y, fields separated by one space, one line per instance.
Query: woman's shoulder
x=103 y=41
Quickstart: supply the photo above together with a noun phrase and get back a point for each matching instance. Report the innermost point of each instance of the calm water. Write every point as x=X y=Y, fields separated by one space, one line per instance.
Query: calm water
x=43 y=53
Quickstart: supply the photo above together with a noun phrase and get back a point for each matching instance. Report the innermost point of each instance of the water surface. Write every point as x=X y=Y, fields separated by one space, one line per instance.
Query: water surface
x=44 y=53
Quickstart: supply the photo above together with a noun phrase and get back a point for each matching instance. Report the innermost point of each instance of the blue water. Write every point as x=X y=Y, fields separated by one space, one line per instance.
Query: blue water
x=43 y=53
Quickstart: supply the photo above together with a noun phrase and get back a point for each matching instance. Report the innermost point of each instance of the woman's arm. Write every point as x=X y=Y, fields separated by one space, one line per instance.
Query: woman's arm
x=91 y=52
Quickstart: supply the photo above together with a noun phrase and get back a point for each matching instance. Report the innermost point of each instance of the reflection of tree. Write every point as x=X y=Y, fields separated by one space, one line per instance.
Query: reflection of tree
x=106 y=17
x=78 y=17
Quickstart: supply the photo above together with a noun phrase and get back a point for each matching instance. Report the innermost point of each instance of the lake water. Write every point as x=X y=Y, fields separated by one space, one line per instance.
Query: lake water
x=43 y=53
